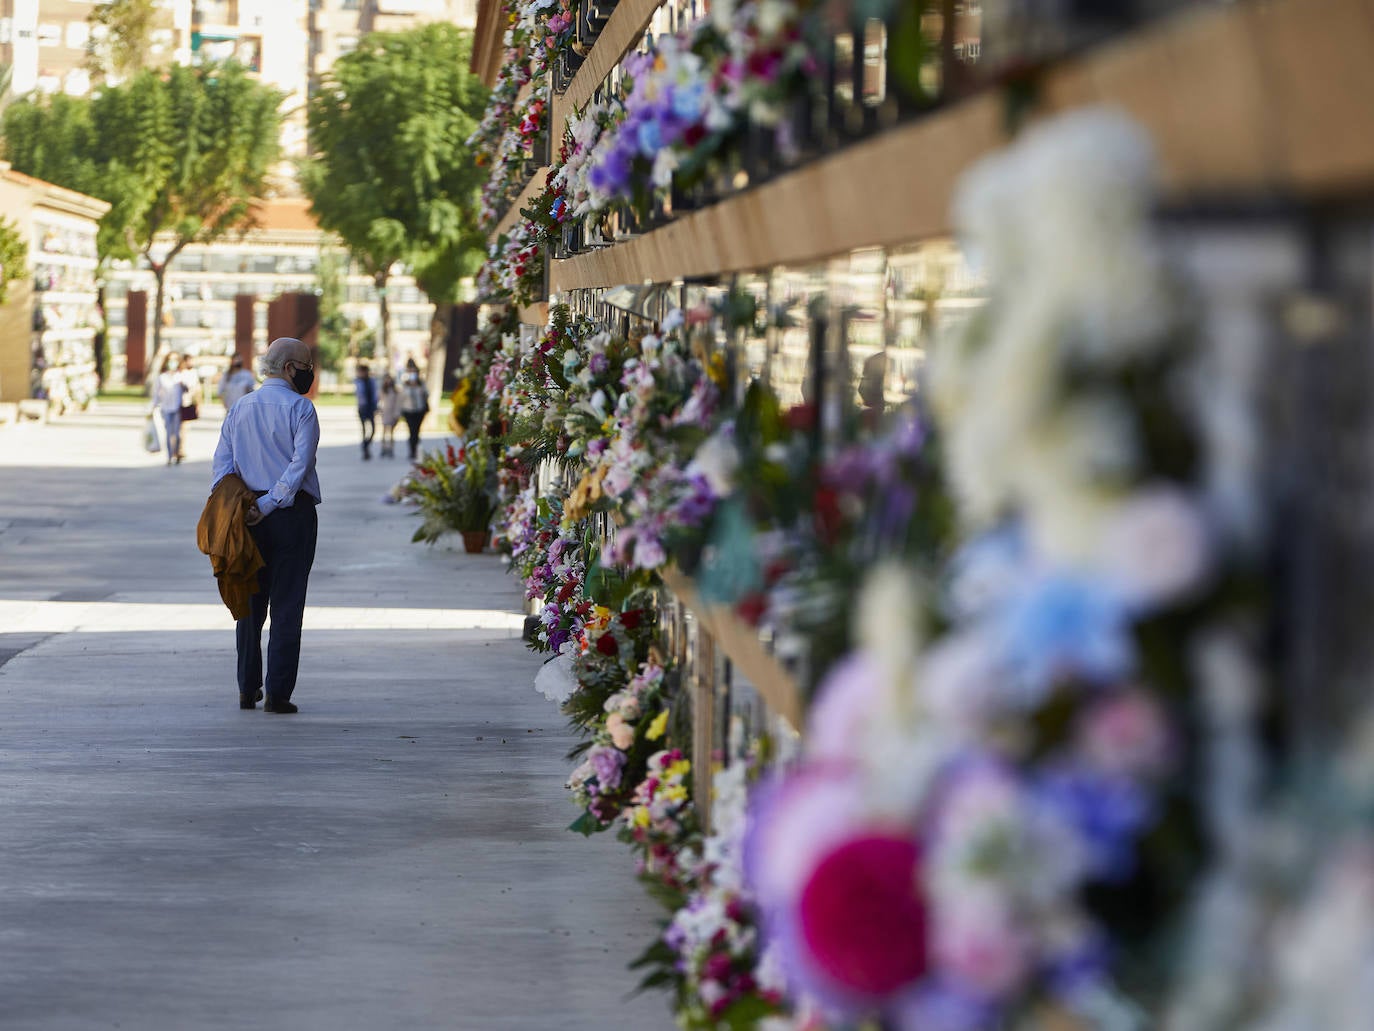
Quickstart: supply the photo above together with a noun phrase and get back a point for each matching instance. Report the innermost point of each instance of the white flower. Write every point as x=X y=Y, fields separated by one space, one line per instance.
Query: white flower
x=717 y=459
x=1156 y=546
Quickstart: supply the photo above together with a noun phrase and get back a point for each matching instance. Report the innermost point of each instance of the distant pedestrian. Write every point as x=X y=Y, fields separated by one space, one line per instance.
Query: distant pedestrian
x=414 y=404
x=169 y=394
x=236 y=382
x=270 y=438
x=190 y=400
x=389 y=407
x=365 y=387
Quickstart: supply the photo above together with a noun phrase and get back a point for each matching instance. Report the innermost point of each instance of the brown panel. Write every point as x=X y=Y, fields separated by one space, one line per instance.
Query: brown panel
x=136 y=339
x=305 y=322
x=245 y=309
x=1322 y=77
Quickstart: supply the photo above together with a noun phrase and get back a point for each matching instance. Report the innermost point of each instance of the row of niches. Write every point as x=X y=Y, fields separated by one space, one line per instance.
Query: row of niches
x=64 y=239
x=708 y=103
x=852 y=332
x=63 y=278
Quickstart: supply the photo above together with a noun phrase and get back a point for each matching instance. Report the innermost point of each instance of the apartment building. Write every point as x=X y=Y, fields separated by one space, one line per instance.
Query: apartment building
x=336 y=26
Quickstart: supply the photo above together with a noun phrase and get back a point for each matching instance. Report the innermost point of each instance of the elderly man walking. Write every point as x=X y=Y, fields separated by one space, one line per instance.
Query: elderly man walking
x=269 y=438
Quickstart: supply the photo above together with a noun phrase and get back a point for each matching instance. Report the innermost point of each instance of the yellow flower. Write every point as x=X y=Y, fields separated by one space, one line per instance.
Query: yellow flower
x=676 y=793
x=640 y=817
x=584 y=496
x=679 y=769
x=715 y=369
x=658 y=727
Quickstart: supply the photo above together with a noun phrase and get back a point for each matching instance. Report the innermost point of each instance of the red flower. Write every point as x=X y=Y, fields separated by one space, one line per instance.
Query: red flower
x=606 y=645
x=630 y=619
x=829 y=518
x=752 y=607
x=862 y=916
x=800 y=418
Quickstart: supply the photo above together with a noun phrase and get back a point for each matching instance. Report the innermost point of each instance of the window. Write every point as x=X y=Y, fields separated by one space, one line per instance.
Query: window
x=78 y=32
x=78 y=82
x=49 y=35
x=347 y=44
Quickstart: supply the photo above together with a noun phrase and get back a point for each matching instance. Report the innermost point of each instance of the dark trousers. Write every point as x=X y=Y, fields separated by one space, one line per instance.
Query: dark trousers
x=369 y=421
x=286 y=539
x=413 y=420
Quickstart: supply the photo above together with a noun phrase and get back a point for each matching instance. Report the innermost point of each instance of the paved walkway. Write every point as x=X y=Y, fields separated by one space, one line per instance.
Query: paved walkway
x=393 y=857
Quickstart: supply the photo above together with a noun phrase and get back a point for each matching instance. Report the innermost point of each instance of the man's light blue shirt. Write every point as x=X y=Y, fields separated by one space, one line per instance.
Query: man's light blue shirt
x=270 y=438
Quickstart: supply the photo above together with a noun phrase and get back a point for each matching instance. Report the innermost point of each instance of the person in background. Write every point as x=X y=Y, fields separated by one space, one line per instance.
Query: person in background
x=190 y=400
x=389 y=408
x=169 y=394
x=236 y=382
x=270 y=439
x=414 y=404
x=365 y=387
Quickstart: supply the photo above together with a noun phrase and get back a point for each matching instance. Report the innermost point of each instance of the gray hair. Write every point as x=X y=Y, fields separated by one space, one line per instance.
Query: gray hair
x=281 y=351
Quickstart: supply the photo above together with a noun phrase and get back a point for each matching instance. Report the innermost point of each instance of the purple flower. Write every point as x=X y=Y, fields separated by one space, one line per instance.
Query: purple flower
x=599 y=365
x=608 y=764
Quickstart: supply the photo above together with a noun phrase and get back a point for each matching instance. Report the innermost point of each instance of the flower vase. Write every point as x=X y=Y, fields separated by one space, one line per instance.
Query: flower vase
x=475 y=541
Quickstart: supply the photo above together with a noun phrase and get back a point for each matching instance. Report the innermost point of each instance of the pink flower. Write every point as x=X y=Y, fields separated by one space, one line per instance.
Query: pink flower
x=985 y=952
x=1127 y=733
x=847 y=699
x=863 y=918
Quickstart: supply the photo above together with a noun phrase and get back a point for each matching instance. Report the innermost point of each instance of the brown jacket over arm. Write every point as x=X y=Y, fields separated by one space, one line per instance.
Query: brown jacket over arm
x=222 y=533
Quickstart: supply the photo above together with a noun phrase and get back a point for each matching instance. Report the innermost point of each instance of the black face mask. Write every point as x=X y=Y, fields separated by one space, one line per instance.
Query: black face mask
x=301 y=379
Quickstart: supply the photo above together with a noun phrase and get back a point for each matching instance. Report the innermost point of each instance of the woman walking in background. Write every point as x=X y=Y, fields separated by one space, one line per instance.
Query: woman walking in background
x=389 y=408
x=190 y=398
x=169 y=393
x=365 y=387
x=414 y=404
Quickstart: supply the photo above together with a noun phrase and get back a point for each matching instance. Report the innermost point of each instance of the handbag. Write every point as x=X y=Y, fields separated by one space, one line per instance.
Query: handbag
x=190 y=412
x=151 y=444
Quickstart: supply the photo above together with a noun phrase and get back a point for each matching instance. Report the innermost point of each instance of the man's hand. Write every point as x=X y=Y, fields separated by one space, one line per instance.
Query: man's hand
x=254 y=516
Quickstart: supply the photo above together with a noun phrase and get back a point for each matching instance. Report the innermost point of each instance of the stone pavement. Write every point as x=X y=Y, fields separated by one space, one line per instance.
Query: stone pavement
x=393 y=857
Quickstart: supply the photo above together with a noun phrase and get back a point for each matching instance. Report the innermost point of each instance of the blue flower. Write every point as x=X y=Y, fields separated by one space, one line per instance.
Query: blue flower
x=1064 y=624
x=1109 y=813
x=688 y=101
x=650 y=138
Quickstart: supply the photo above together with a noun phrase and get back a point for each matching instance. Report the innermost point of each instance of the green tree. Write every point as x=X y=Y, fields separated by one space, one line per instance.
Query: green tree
x=335 y=338
x=14 y=251
x=121 y=40
x=180 y=154
x=391 y=171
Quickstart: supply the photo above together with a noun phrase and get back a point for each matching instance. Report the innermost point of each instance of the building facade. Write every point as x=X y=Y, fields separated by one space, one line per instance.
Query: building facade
x=282 y=255
x=49 y=321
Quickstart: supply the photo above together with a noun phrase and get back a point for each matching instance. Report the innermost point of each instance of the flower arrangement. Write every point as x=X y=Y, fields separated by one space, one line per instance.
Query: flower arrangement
x=1009 y=790
x=454 y=491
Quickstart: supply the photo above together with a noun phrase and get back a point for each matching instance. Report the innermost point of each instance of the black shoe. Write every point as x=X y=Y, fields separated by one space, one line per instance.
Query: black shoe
x=271 y=705
x=250 y=702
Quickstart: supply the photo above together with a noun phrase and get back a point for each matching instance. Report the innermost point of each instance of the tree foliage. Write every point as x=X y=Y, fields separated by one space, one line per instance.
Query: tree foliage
x=392 y=173
x=121 y=40
x=181 y=154
x=14 y=250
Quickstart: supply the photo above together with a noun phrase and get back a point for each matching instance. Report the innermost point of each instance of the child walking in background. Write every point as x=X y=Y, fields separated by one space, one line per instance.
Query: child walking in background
x=389 y=408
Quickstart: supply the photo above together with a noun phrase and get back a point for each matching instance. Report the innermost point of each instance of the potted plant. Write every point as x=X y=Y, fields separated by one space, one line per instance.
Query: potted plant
x=455 y=490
